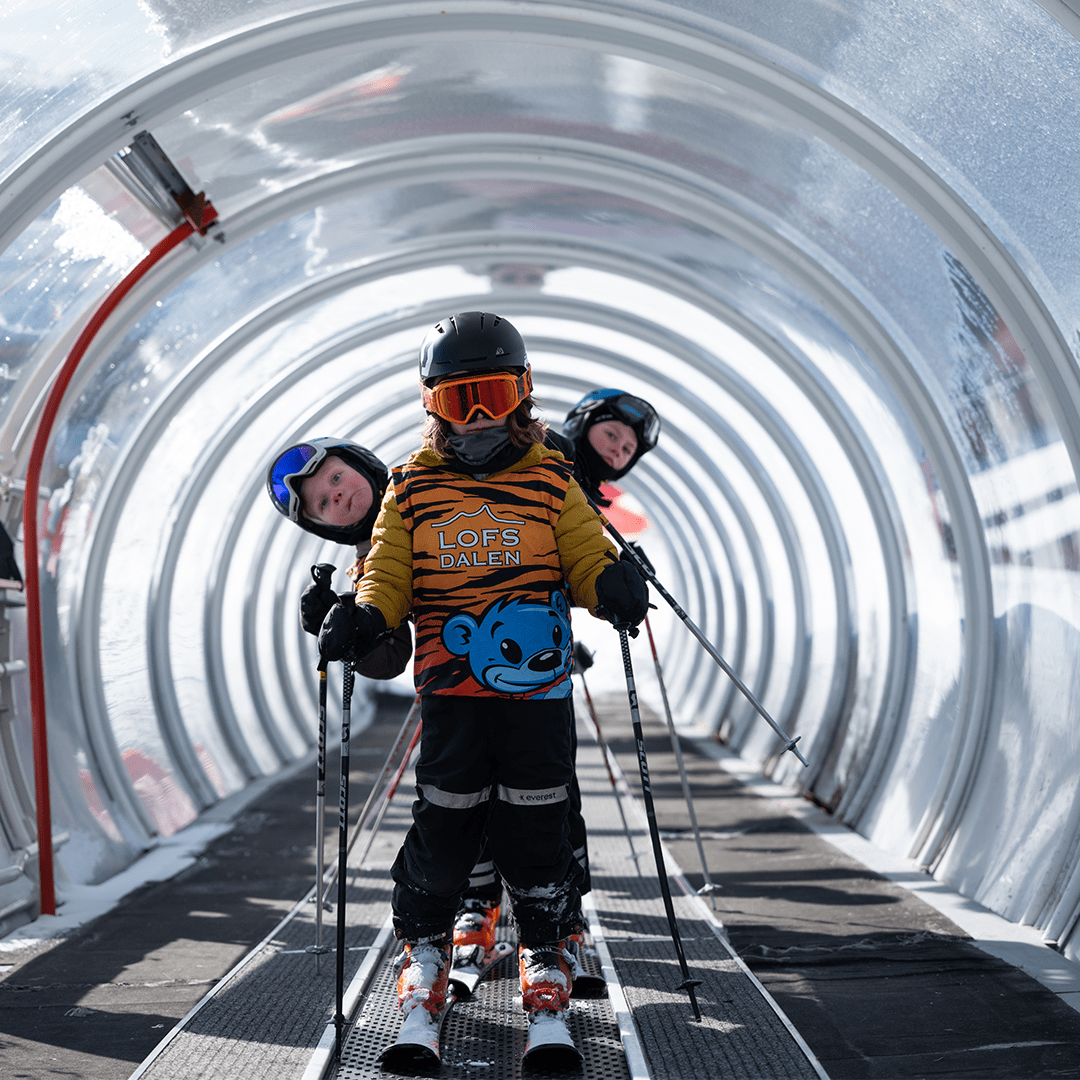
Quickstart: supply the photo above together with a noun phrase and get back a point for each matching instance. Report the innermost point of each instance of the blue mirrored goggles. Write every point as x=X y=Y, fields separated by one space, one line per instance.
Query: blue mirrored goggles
x=640 y=415
x=292 y=466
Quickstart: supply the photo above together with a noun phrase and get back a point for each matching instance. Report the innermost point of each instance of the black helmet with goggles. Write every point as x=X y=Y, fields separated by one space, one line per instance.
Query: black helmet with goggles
x=600 y=405
x=471 y=341
x=471 y=363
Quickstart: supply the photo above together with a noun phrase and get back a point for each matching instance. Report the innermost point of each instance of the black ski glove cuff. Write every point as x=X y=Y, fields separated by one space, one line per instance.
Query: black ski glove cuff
x=637 y=550
x=315 y=604
x=350 y=631
x=621 y=594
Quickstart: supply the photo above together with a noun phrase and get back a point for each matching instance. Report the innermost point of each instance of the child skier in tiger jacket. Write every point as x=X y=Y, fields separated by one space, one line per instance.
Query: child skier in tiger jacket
x=487 y=539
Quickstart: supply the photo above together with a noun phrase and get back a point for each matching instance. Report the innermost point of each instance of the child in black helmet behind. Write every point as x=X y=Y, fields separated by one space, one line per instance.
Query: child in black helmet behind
x=608 y=432
x=488 y=540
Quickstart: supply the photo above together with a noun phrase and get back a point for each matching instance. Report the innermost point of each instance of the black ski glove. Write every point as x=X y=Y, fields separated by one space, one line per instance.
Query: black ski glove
x=637 y=550
x=582 y=659
x=350 y=631
x=621 y=594
x=315 y=604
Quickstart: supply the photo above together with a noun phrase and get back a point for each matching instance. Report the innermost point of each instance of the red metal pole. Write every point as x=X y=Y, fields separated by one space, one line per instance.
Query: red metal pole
x=32 y=545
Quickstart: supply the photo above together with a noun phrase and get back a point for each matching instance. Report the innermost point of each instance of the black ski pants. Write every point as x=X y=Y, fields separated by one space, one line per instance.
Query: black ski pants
x=484 y=881
x=500 y=766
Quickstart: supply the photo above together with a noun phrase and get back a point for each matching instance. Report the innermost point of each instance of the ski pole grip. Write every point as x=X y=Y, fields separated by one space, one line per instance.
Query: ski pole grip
x=323 y=573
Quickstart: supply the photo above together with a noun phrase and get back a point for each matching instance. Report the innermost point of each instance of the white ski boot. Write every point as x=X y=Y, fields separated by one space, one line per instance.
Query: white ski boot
x=546 y=983
x=423 y=970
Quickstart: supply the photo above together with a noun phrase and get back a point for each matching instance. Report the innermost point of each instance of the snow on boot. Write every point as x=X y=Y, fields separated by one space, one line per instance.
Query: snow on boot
x=423 y=970
x=475 y=928
x=475 y=949
x=546 y=982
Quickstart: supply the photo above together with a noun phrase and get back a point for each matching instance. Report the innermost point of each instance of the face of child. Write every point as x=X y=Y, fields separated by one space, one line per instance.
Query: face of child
x=614 y=441
x=336 y=494
x=478 y=423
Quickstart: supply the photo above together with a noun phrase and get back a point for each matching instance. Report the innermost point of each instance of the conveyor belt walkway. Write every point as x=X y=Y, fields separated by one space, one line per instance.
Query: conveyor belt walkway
x=260 y=1020
x=879 y=984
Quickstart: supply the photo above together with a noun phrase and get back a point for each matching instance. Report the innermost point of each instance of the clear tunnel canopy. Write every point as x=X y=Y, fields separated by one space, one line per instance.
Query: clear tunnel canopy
x=835 y=248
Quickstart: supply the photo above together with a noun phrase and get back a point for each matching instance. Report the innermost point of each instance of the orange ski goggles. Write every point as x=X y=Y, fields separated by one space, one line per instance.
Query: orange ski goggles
x=496 y=395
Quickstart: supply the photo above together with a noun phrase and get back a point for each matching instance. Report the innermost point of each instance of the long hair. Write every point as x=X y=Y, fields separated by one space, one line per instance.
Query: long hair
x=525 y=429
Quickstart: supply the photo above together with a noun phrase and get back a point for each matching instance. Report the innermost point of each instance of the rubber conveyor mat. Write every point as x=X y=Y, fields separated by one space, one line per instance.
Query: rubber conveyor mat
x=741 y=1034
x=484 y=1035
x=265 y=1019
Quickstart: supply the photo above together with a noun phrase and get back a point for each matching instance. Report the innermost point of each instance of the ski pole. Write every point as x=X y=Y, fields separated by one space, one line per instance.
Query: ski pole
x=387 y=765
x=343 y=837
x=710 y=885
x=331 y=876
x=390 y=792
x=688 y=983
x=322 y=575
x=605 y=752
x=649 y=575
x=320 y=812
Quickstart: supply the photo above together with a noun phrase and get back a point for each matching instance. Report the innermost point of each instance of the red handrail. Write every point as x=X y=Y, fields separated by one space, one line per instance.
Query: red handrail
x=32 y=545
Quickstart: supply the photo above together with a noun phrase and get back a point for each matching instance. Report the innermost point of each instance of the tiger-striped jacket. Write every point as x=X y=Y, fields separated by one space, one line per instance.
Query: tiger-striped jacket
x=489 y=569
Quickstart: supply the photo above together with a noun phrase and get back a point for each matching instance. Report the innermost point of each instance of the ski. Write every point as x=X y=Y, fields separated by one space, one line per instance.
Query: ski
x=467 y=970
x=549 y=1044
x=417 y=1044
x=586 y=984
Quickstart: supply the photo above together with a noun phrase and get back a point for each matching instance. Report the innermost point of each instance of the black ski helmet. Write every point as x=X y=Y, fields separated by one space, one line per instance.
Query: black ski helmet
x=295 y=463
x=471 y=341
x=599 y=405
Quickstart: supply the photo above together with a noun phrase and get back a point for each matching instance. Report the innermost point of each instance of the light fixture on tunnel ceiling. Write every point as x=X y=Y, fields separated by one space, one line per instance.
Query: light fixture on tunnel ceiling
x=146 y=171
x=519 y=275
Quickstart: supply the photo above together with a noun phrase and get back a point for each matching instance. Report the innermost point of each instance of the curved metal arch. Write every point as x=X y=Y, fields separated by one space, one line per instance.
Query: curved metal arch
x=650 y=37
x=837 y=300
x=830 y=118
x=873 y=340
x=731 y=497
x=336 y=285
x=841 y=694
x=277 y=313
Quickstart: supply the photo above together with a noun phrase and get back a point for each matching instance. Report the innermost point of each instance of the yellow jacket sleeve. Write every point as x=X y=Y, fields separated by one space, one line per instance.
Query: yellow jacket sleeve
x=584 y=550
x=388 y=568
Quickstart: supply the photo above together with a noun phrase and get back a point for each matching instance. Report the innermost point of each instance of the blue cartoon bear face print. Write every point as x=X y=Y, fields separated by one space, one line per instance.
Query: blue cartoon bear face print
x=517 y=647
